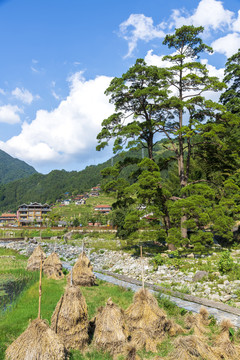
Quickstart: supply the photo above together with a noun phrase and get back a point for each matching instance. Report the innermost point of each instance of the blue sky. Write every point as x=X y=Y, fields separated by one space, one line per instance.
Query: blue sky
x=58 y=57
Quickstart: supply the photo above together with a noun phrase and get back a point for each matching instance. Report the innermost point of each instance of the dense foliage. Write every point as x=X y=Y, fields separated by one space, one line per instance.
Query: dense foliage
x=12 y=169
x=190 y=196
x=58 y=184
x=48 y=188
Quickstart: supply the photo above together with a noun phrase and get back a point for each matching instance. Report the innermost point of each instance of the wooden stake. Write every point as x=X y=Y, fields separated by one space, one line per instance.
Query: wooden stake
x=71 y=276
x=40 y=291
x=142 y=267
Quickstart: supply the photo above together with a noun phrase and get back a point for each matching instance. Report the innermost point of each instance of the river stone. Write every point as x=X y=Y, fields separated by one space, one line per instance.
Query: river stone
x=163 y=255
x=199 y=275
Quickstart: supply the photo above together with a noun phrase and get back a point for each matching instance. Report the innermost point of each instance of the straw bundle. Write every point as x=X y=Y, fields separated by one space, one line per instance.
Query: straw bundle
x=147 y=323
x=52 y=267
x=198 y=322
x=110 y=332
x=38 y=341
x=132 y=353
x=70 y=319
x=224 y=347
x=82 y=272
x=190 y=348
x=34 y=260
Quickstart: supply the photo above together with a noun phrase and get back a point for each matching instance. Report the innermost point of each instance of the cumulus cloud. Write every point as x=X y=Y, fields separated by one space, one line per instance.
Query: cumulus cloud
x=227 y=45
x=157 y=60
x=2 y=92
x=212 y=70
x=139 y=27
x=67 y=131
x=24 y=95
x=209 y=13
x=236 y=23
x=10 y=114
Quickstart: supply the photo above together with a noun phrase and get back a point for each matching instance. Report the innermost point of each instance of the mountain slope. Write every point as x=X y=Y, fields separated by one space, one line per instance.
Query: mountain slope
x=48 y=188
x=13 y=169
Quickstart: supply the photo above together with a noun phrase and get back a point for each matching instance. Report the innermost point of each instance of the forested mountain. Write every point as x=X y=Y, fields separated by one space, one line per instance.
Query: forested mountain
x=13 y=169
x=47 y=188
x=50 y=187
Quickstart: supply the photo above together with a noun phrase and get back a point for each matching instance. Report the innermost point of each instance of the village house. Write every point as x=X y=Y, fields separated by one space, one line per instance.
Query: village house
x=95 y=191
x=104 y=209
x=80 y=202
x=7 y=218
x=32 y=213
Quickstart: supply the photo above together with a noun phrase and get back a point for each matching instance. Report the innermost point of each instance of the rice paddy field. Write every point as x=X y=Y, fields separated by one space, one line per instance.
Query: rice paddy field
x=183 y=334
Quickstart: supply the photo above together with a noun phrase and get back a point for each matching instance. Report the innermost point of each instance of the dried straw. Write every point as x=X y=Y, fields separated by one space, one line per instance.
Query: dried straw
x=38 y=341
x=35 y=259
x=131 y=352
x=52 y=267
x=147 y=323
x=224 y=348
x=70 y=319
x=190 y=348
x=82 y=272
x=198 y=322
x=110 y=332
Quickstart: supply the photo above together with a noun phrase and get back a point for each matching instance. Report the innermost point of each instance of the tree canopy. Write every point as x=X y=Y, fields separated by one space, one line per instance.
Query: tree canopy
x=190 y=204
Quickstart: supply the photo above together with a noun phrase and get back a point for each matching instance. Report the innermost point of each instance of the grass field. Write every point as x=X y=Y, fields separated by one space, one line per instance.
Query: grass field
x=24 y=308
x=83 y=212
x=16 y=320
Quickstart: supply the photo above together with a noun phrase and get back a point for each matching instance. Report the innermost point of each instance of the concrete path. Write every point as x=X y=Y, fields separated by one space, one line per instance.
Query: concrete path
x=185 y=304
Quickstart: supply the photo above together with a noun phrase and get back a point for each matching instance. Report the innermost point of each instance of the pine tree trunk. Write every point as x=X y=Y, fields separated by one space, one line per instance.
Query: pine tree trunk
x=183 y=181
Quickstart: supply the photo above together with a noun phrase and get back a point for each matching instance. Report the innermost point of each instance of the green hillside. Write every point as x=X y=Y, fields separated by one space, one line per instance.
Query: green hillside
x=50 y=187
x=13 y=169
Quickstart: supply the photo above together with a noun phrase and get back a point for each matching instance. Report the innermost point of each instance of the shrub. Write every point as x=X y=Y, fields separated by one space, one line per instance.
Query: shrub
x=157 y=261
x=225 y=263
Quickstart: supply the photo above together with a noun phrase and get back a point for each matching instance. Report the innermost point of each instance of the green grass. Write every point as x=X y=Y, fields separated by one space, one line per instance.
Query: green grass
x=13 y=276
x=16 y=320
x=69 y=212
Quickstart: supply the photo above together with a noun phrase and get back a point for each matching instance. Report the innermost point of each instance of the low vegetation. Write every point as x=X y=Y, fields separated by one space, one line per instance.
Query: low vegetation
x=14 y=320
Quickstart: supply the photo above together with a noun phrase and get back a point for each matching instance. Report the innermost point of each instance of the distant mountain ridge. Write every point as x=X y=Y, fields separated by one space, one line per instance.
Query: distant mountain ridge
x=50 y=187
x=12 y=169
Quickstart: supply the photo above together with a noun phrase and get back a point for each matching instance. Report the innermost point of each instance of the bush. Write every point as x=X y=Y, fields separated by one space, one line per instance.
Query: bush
x=157 y=261
x=225 y=263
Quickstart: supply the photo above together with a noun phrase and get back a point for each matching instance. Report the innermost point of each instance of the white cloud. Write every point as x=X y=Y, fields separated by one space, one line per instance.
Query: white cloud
x=227 y=45
x=156 y=60
x=55 y=95
x=67 y=131
x=210 y=14
x=236 y=23
x=212 y=70
x=139 y=27
x=34 y=69
x=2 y=92
x=53 y=92
x=9 y=114
x=24 y=95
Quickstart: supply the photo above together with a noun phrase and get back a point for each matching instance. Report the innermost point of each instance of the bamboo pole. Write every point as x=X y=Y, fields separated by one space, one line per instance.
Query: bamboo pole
x=40 y=291
x=142 y=267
